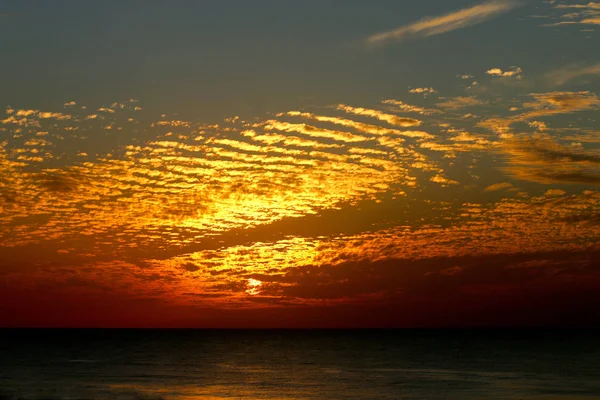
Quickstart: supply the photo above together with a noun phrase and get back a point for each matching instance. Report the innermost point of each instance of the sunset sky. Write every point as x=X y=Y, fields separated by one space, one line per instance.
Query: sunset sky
x=316 y=163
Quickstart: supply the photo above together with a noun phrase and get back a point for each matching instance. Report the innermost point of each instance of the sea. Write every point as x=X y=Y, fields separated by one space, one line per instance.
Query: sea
x=552 y=364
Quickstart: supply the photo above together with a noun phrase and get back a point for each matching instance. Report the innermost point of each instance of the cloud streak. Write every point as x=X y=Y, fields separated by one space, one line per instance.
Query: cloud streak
x=430 y=26
x=586 y=14
x=564 y=75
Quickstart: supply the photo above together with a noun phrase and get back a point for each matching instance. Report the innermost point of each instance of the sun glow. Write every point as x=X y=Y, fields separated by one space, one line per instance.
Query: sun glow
x=253 y=287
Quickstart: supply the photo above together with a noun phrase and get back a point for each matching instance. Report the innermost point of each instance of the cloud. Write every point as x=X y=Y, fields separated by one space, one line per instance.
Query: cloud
x=194 y=214
x=498 y=186
x=407 y=107
x=555 y=192
x=190 y=267
x=431 y=26
x=201 y=179
x=564 y=75
x=32 y=114
x=546 y=176
x=585 y=14
x=515 y=72
x=545 y=105
x=584 y=136
x=443 y=181
x=106 y=110
x=460 y=102
x=540 y=159
x=313 y=131
x=174 y=123
x=53 y=115
x=559 y=103
x=461 y=143
x=423 y=91
x=390 y=119
x=25 y=113
x=544 y=149
x=359 y=126
x=540 y=126
x=57 y=183
x=438 y=277
x=507 y=230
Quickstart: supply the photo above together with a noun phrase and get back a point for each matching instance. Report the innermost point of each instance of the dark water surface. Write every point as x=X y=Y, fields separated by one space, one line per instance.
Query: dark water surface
x=298 y=364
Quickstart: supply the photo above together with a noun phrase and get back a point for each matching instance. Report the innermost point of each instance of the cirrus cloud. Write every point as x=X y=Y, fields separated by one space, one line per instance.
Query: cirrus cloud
x=430 y=26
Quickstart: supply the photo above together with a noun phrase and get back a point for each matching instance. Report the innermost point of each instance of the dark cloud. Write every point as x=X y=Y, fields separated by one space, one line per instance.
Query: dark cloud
x=190 y=267
x=592 y=218
x=540 y=159
x=563 y=154
x=8 y=196
x=505 y=289
x=207 y=295
x=57 y=183
x=434 y=277
x=553 y=102
x=542 y=176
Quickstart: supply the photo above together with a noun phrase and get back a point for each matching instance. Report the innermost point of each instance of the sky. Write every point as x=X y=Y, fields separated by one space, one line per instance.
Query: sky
x=314 y=164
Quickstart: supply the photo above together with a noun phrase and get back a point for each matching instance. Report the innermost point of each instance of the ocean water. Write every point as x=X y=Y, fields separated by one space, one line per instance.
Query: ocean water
x=300 y=364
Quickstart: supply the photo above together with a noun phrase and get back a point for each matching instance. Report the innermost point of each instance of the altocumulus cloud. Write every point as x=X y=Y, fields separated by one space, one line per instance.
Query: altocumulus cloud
x=430 y=26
